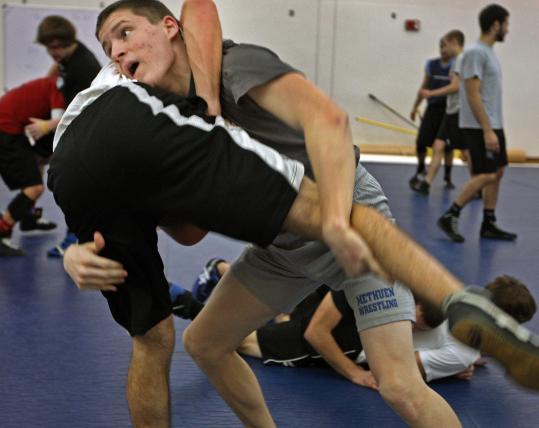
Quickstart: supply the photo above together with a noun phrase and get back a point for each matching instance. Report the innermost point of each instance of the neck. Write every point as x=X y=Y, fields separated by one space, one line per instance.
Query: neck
x=488 y=39
x=179 y=79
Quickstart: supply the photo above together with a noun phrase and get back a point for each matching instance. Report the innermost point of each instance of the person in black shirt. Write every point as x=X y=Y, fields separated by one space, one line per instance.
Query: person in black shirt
x=75 y=67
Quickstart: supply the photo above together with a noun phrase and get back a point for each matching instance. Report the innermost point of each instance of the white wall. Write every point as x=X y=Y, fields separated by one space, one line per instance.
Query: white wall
x=353 y=47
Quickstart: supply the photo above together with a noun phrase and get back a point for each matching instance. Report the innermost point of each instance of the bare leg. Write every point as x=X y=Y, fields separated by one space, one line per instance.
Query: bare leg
x=390 y=353
x=250 y=346
x=148 y=392
x=474 y=185
x=401 y=258
x=230 y=315
x=491 y=191
x=436 y=160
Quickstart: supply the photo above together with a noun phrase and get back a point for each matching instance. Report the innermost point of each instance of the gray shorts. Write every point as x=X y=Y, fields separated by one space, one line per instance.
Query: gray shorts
x=284 y=273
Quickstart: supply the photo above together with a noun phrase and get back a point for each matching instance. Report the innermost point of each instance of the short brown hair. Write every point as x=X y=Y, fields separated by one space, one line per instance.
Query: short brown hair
x=55 y=27
x=456 y=35
x=152 y=10
x=513 y=297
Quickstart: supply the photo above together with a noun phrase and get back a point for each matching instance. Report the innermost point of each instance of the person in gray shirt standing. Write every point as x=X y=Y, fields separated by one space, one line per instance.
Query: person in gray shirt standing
x=482 y=126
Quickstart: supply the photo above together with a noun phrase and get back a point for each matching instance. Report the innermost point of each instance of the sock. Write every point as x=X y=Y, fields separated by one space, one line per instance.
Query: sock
x=447 y=172
x=420 y=168
x=5 y=227
x=454 y=210
x=489 y=216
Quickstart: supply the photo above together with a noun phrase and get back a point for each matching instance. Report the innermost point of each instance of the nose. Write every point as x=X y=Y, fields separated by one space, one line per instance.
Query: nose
x=117 y=51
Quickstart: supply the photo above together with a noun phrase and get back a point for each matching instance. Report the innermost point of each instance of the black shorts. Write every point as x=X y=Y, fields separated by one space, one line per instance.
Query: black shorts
x=18 y=165
x=136 y=159
x=483 y=160
x=451 y=133
x=429 y=126
x=284 y=344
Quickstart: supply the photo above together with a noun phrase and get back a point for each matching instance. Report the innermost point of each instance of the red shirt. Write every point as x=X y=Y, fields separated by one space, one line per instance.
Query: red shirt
x=32 y=99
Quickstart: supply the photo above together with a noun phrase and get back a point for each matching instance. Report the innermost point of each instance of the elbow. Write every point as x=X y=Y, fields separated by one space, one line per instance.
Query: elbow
x=310 y=335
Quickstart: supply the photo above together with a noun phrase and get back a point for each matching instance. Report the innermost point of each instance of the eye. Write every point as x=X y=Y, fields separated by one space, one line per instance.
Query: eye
x=125 y=33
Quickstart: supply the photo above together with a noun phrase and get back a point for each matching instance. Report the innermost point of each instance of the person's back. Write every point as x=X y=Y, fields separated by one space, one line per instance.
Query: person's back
x=32 y=99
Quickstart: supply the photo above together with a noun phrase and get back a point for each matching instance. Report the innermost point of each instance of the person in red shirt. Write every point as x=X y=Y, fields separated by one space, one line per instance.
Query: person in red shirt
x=28 y=116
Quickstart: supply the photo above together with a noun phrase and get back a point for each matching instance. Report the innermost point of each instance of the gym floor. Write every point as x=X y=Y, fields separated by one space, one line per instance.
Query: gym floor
x=63 y=360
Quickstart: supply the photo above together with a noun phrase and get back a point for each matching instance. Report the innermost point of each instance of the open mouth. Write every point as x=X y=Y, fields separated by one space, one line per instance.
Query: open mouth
x=133 y=69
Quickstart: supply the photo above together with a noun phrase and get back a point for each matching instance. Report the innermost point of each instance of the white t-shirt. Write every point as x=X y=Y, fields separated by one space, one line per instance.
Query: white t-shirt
x=441 y=354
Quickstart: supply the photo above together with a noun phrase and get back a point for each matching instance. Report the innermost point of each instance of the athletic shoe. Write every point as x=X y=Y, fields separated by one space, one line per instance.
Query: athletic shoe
x=184 y=304
x=449 y=224
x=489 y=230
x=7 y=249
x=34 y=223
x=60 y=249
x=421 y=187
x=477 y=322
x=415 y=179
x=449 y=184
x=207 y=280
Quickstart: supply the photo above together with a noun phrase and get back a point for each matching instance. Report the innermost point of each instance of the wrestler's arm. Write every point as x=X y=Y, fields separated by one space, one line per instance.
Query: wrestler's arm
x=318 y=334
x=301 y=105
x=202 y=34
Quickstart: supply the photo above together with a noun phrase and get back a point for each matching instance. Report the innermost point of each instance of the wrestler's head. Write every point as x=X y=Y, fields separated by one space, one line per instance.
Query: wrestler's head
x=142 y=38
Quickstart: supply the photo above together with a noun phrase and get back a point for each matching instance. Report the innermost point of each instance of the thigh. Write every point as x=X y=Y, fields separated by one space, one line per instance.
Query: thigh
x=502 y=155
x=483 y=161
x=430 y=125
x=375 y=302
x=456 y=138
x=18 y=165
x=230 y=315
x=390 y=352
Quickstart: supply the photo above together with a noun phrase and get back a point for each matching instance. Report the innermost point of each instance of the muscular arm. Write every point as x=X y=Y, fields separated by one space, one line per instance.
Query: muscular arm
x=301 y=105
x=448 y=89
x=318 y=334
x=201 y=31
x=419 y=98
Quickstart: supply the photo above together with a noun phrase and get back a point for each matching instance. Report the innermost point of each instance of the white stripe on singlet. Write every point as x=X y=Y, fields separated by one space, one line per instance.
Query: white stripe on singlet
x=290 y=169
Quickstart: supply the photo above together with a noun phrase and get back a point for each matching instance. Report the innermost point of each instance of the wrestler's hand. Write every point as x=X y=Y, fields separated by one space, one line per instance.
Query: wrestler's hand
x=491 y=141
x=351 y=252
x=37 y=128
x=364 y=378
x=90 y=271
x=467 y=373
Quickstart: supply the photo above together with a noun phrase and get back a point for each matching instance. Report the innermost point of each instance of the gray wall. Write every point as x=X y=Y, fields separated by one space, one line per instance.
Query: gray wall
x=354 y=47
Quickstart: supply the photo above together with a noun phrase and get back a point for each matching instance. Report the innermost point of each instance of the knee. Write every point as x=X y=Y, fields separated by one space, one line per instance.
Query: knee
x=157 y=343
x=403 y=395
x=196 y=345
x=34 y=192
x=490 y=178
x=438 y=146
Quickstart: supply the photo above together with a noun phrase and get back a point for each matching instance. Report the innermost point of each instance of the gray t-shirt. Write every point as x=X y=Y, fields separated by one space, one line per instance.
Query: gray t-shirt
x=452 y=100
x=244 y=68
x=481 y=62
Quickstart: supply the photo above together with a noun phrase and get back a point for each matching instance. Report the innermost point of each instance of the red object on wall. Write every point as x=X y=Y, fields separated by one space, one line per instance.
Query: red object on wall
x=412 y=25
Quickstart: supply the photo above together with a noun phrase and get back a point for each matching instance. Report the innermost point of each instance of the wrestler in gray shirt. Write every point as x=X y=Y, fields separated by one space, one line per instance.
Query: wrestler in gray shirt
x=481 y=62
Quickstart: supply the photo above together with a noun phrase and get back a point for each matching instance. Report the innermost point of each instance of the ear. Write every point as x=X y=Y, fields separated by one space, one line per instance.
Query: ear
x=171 y=26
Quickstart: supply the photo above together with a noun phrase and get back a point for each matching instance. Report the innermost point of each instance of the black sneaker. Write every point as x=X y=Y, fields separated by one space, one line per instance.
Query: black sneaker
x=449 y=184
x=183 y=301
x=449 y=224
x=416 y=178
x=34 y=223
x=421 y=187
x=477 y=322
x=490 y=230
x=7 y=249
